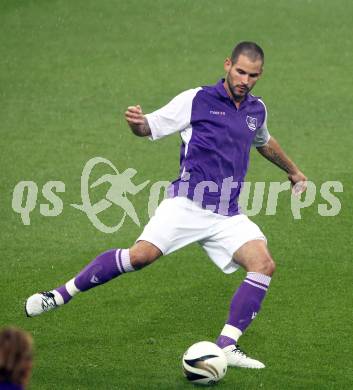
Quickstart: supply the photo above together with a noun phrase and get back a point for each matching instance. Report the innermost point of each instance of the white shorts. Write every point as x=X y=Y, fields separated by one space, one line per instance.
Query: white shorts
x=178 y=222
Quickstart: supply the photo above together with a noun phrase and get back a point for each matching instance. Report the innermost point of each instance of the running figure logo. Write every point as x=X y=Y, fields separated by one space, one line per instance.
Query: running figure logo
x=120 y=185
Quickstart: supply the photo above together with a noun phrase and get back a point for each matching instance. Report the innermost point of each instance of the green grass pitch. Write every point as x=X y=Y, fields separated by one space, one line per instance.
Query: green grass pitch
x=68 y=70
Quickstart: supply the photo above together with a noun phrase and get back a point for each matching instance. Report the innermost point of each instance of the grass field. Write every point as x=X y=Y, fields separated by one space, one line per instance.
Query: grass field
x=68 y=70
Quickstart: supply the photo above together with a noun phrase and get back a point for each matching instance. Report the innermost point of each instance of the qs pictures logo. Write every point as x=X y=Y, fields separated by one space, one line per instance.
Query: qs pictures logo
x=106 y=192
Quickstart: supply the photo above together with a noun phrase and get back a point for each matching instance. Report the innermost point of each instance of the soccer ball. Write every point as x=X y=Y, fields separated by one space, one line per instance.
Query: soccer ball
x=204 y=363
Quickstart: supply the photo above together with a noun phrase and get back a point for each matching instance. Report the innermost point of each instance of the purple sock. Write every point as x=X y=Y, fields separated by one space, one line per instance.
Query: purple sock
x=244 y=307
x=103 y=268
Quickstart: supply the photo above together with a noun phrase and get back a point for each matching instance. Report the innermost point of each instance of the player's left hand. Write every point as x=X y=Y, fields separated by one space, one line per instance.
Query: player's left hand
x=299 y=182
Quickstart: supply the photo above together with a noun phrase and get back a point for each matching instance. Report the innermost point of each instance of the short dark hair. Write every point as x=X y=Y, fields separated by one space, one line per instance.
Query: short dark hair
x=250 y=49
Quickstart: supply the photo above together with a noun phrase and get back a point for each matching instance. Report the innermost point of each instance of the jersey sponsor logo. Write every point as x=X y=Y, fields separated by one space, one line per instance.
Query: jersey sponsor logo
x=251 y=122
x=220 y=113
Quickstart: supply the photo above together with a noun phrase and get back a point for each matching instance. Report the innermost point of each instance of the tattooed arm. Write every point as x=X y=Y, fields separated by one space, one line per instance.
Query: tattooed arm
x=274 y=153
x=137 y=121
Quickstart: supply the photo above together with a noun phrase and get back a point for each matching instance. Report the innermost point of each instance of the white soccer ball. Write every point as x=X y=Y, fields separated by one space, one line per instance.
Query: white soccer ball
x=204 y=363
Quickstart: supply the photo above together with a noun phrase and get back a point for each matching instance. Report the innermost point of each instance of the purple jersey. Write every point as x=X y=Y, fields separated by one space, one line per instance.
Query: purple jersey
x=216 y=142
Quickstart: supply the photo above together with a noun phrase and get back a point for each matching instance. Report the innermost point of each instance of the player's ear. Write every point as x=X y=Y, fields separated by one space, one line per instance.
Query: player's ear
x=227 y=64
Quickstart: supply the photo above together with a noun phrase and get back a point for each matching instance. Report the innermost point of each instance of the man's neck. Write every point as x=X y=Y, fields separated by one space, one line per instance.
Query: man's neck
x=236 y=102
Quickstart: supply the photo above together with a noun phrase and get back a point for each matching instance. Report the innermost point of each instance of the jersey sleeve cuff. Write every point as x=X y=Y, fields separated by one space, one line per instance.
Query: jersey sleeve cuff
x=154 y=130
x=262 y=142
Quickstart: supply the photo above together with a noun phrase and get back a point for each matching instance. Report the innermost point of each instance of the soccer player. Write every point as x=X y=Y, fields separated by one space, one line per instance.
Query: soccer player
x=218 y=124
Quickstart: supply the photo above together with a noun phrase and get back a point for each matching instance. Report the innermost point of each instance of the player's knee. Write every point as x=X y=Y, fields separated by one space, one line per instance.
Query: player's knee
x=143 y=254
x=139 y=259
x=268 y=266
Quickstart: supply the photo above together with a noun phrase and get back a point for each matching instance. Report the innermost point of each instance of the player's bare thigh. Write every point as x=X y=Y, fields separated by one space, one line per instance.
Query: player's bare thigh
x=254 y=256
x=143 y=253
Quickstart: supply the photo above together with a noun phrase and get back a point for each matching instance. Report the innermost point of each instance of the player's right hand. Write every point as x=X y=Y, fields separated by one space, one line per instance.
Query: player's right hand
x=137 y=121
x=134 y=115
